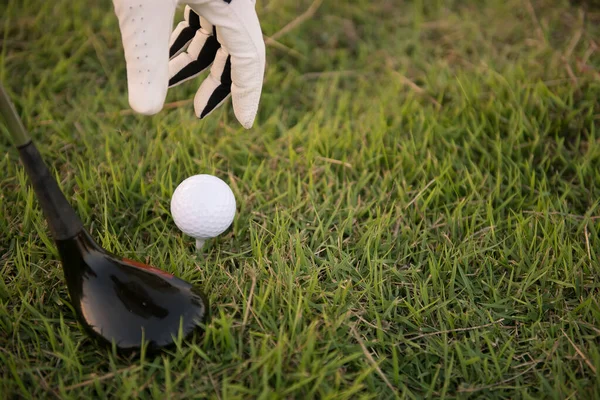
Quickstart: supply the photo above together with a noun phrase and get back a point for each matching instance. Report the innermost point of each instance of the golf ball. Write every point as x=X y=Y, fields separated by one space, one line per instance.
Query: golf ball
x=203 y=207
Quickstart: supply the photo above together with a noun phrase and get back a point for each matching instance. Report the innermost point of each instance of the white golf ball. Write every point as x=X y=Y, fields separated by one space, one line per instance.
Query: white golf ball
x=203 y=207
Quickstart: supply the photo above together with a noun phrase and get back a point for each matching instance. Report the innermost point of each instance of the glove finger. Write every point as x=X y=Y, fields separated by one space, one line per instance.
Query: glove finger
x=184 y=32
x=199 y=55
x=145 y=29
x=216 y=88
x=238 y=31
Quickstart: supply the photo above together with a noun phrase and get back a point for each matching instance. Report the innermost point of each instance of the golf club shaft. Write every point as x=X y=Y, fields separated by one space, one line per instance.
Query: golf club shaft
x=15 y=126
x=62 y=219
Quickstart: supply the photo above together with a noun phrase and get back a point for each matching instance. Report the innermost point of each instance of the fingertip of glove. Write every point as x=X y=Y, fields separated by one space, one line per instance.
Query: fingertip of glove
x=245 y=106
x=247 y=121
x=146 y=106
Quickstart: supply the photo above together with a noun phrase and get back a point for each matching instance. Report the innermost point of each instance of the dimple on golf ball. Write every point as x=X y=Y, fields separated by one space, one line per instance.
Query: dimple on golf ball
x=203 y=207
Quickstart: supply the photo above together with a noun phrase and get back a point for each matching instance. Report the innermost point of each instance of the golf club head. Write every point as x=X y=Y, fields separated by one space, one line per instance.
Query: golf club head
x=117 y=300
x=125 y=302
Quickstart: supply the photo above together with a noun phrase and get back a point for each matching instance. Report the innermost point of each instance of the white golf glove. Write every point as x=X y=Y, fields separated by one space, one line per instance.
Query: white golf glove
x=224 y=33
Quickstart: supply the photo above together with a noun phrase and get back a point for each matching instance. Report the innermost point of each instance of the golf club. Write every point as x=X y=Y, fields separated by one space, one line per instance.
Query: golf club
x=116 y=300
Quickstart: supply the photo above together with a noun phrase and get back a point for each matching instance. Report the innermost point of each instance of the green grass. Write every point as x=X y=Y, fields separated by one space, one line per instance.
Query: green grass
x=440 y=242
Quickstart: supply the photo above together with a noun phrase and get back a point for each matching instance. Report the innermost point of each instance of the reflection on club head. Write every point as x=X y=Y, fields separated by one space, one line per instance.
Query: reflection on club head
x=122 y=301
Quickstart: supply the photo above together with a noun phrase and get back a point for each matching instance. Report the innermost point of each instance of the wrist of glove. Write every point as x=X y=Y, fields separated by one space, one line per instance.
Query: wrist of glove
x=224 y=35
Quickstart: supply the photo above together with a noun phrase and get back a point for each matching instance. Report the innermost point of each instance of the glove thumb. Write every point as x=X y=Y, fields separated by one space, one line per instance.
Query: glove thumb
x=145 y=29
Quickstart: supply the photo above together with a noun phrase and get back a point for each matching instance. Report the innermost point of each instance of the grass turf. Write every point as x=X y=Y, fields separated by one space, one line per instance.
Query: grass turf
x=418 y=205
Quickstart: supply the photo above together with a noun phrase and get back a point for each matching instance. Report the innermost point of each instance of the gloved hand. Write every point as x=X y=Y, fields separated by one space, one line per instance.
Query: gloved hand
x=224 y=33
